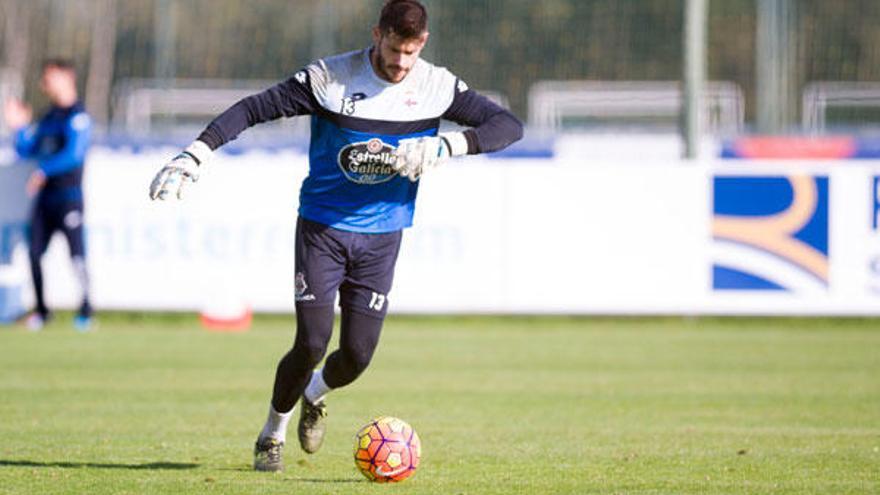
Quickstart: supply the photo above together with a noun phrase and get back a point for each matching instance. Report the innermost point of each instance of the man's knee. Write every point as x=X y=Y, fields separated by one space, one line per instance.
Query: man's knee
x=303 y=357
x=357 y=357
x=344 y=366
x=309 y=353
x=314 y=325
x=360 y=336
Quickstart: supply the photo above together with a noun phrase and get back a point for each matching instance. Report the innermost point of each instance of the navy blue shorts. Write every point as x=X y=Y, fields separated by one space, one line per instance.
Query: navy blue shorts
x=360 y=267
x=49 y=217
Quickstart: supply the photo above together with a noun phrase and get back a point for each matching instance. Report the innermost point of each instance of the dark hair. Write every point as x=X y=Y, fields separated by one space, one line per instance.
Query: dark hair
x=59 y=63
x=405 y=18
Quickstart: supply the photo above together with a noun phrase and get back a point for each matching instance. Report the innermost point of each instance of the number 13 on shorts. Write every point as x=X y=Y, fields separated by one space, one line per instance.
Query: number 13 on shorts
x=377 y=301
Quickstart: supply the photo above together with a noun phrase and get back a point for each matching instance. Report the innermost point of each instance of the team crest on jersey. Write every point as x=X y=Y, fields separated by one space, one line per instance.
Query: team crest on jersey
x=300 y=287
x=368 y=162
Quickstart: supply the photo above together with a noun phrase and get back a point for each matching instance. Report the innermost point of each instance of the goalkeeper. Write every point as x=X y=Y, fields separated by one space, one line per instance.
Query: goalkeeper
x=375 y=116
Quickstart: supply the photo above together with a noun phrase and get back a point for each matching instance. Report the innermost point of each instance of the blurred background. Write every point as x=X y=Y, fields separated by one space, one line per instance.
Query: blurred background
x=685 y=154
x=825 y=55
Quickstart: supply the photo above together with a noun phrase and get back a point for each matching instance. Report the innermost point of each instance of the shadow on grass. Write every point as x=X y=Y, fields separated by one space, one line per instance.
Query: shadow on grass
x=301 y=480
x=328 y=480
x=101 y=465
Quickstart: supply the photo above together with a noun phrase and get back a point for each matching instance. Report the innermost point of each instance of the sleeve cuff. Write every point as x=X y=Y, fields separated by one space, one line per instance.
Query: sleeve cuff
x=472 y=141
x=458 y=143
x=200 y=151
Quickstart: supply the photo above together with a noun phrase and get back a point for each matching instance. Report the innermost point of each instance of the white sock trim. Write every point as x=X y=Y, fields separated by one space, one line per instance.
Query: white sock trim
x=276 y=425
x=317 y=389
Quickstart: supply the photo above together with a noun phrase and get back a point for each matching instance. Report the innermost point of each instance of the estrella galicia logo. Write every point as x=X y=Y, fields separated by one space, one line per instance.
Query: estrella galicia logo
x=369 y=162
x=770 y=233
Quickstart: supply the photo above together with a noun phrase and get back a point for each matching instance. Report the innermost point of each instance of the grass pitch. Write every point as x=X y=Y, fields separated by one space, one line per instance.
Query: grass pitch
x=152 y=404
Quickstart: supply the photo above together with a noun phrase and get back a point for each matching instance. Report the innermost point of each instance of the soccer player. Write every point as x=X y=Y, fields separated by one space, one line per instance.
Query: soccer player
x=375 y=117
x=58 y=143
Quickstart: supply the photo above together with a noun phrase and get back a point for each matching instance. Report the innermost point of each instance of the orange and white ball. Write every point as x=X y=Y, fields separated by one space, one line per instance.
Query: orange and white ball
x=387 y=449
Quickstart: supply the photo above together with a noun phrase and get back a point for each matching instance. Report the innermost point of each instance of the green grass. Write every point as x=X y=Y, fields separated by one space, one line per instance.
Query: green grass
x=503 y=405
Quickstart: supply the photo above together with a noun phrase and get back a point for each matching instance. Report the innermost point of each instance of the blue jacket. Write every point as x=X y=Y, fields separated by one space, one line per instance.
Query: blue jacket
x=58 y=142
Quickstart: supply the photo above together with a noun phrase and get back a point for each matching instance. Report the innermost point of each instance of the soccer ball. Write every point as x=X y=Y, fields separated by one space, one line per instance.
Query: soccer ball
x=387 y=449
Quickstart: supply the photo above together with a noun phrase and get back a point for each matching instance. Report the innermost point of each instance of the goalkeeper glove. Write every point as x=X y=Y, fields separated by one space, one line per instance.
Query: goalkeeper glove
x=180 y=171
x=415 y=156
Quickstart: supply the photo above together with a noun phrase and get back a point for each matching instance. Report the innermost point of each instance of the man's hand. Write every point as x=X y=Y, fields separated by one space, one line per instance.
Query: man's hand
x=415 y=156
x=174 y=177
x=35 y=183
x=17 y=114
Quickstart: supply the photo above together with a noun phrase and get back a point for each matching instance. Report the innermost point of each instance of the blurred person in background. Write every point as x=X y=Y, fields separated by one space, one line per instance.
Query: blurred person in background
x=375 y=118
x=58 y=143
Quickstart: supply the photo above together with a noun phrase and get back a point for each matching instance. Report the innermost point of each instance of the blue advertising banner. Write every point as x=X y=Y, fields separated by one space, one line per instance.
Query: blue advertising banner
x=771 y=233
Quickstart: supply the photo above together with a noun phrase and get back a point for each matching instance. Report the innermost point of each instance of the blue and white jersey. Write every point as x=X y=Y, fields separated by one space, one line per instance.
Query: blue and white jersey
x=357 y=121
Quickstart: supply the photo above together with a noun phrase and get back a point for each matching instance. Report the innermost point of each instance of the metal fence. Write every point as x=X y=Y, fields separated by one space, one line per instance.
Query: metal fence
x=506 y=46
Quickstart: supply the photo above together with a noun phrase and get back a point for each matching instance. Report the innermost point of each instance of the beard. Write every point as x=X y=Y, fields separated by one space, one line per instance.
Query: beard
x=393 y=73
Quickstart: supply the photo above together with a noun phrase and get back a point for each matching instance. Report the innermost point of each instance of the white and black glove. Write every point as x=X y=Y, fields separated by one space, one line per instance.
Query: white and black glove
x=183 y=169
x=415 y=156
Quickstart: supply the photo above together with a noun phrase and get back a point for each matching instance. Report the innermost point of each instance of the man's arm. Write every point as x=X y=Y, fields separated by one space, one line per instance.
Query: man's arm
x=492 y=127
x=77 y=134
x=25 y=142
x=287 y=99
x=18 y=118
